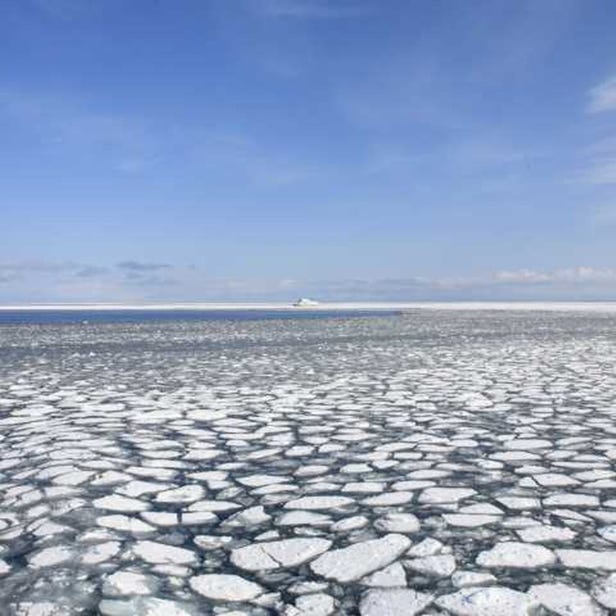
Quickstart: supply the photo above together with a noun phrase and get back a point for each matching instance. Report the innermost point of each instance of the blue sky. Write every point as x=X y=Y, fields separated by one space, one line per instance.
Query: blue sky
x=265 y=149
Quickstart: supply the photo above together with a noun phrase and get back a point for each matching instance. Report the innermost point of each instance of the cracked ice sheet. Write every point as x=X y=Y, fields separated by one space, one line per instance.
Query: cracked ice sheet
x=435 y=462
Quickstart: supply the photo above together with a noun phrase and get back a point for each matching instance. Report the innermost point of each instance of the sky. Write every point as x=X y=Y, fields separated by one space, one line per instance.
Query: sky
x=202 y=150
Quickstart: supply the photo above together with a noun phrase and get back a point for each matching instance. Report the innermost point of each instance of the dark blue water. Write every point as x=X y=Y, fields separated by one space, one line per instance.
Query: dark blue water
x=48 y=317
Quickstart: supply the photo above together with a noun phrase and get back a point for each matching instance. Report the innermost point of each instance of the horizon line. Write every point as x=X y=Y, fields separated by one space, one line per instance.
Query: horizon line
x=565 y=305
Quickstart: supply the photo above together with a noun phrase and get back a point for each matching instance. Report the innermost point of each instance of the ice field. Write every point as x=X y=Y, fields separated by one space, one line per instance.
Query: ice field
x=439 y=462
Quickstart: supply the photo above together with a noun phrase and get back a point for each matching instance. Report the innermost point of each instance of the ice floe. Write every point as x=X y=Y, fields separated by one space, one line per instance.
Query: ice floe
x=225 y=587
x=360 y=559
x=393 y=602
x=516 y=555
x=276 y=554
x=489 y=601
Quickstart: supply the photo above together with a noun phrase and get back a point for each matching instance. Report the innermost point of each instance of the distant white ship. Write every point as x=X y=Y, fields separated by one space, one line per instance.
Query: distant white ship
x=302 y=302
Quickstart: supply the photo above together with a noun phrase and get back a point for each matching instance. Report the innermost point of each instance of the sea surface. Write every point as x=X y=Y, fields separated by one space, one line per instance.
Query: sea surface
x=431 y=462
x=41 y=316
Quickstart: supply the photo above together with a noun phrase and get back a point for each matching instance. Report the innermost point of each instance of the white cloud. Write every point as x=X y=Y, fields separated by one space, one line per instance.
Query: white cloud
x=141 y=266
x=522 y=276
x=574 y=275
x=601 y=167
x=36 y=266
x=603 y=97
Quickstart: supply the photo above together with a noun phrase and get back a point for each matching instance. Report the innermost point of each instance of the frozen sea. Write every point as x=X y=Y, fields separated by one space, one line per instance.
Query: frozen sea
x=434 y=462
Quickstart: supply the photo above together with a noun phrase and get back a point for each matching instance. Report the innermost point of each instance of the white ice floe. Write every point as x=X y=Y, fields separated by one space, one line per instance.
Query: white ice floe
x=393 y=602
x=398 y=523
x=253 y=516
x=257 y=481
x=565 y=600
x=49 y=557
x=100 y=552
x=428 y=547
x=388 y=500
x=524 y=444
x=162 y=553
x=546 y=534
x=465 y=520
x=363 y=487
x=317 y=604
x=197 y=518
x=351 y=523
x=303 y=518
x=137 y=487
x=145 y=606
x=127 y=583
x=588 y=559
x=212 y=542
x=125 y=523
x=516 y=555
x=489 y=601
x=438 y=496
x=555 y=480
x=520 y=503
x=117 y=502
x=571 y=500
x=161 y=518
x=184 y=494
x=39 y=608
x=225 y=587
x=439 y=566
x=278 y=554
x=311 y=470
x=463 y=579
x=393 y=575
x=214 y=506
x=319 y=502
x=604 y=591
x=360 y=559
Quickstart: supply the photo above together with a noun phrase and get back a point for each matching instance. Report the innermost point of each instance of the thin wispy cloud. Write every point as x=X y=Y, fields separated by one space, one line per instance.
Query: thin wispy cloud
x=37 y=266
x=141 y=266
x=600 y=155
x=91 y=271
x=603 y=97
x=7 y=276
x=148 y=280
x=602 y=172
x=575 y=275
